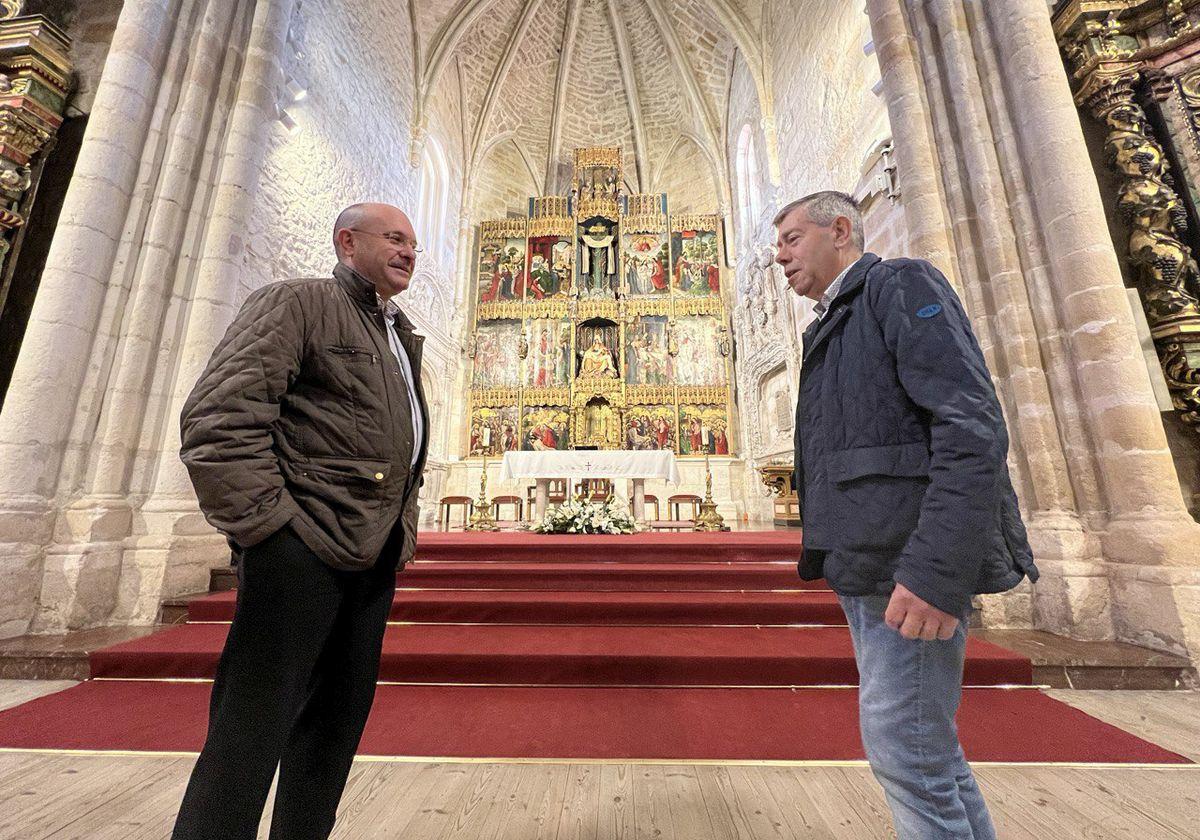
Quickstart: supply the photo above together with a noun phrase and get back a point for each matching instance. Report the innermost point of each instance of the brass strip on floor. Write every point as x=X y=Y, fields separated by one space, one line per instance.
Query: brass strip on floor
x=735 y=762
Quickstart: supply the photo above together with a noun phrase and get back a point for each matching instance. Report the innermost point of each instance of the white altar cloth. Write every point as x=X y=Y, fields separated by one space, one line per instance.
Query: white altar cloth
x=621 y=463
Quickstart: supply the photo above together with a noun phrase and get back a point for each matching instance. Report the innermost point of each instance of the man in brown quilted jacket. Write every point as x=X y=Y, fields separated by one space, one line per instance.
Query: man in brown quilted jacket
x=305 y=438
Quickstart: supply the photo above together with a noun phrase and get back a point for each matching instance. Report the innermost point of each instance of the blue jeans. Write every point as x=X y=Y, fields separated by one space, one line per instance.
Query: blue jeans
x=909 y=692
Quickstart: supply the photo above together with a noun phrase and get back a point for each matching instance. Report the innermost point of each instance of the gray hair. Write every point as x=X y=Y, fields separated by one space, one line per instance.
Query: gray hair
x=351 y=217
x=823 y=208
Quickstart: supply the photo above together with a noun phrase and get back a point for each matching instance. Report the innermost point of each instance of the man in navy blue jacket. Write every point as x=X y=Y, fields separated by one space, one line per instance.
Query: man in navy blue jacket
x=905 y=496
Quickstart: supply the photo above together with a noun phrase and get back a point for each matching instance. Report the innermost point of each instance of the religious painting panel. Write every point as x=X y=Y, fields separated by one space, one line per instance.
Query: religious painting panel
x=494 y=431
x=548 y=361
x=646 y=359
x=545 y=427
x=650 y=427
x=597 y=348
x=549 y=268
x=703 y=429
x=695 y=268
x=497 y=354
x=597 y=259
x=646 y=259
x=501 y=270
x=698 y=359
x=596 y=188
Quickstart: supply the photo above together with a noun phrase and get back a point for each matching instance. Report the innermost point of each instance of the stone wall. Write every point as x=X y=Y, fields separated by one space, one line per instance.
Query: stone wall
x=824 y=100
x=203 y=175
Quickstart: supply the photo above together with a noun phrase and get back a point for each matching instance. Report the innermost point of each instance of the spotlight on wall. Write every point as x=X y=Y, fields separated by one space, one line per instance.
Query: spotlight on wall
x=289 y=122
x=295 y=90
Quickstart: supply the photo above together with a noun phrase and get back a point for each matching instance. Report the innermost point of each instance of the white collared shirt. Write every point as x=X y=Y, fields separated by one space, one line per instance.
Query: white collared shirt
x=823 y=304
x=390 y=311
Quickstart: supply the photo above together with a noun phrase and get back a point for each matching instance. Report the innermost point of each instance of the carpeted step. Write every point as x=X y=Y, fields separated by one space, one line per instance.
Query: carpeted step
x=602 y=575
x=572 y=655
x=558 y=607
x=996 y=725
x=729 y=547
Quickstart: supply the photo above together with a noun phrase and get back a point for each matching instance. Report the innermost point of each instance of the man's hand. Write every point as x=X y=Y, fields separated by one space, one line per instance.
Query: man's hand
x=913 y=618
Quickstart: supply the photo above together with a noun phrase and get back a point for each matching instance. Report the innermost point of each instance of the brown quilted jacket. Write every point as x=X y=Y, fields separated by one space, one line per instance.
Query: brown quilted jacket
x=302 y=418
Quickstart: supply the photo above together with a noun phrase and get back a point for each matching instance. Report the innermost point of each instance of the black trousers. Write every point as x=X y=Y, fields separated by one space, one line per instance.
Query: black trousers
x=293 y=690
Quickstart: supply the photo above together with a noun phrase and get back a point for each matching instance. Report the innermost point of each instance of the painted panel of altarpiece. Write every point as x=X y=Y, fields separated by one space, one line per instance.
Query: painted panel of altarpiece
x=698 y=360
x=694 y=269
x=549 y=268
x=646 y=359
x=646 y=258
x=545 y=427
x=548 y=362
x=501 y=270
x=494 y=431
x=497 y=354
x=650 y=427
x=703 y=428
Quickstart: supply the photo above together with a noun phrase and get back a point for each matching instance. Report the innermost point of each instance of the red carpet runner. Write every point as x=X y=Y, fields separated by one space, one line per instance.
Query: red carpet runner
x=659 y=646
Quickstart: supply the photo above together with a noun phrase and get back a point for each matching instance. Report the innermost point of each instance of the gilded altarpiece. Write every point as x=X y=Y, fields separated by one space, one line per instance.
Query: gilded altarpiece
x=600 y=323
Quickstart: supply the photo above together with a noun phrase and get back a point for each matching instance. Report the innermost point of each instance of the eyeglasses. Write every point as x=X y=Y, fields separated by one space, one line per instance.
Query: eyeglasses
x=397 y=239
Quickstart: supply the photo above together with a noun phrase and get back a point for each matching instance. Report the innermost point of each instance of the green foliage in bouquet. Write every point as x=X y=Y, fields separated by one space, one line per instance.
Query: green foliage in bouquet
x=583 y=516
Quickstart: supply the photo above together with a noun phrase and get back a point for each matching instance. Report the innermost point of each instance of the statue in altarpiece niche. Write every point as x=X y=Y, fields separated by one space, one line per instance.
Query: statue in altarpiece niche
x=598 y=361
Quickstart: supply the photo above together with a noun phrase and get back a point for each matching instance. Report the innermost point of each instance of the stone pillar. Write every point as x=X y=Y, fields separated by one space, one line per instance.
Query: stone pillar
x=1156 y=593
x=176 y=553
x=150 y=275
x=46 y=390
x=988 y=90
x=929 y=236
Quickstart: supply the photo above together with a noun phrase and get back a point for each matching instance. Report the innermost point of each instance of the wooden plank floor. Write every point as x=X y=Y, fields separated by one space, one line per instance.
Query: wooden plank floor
x=95 y=797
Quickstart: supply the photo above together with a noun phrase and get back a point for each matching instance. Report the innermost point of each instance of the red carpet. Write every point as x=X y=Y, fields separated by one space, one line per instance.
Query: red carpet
x=587 y=607
x=1018 y=725
x=572 y=655
x=669 y=646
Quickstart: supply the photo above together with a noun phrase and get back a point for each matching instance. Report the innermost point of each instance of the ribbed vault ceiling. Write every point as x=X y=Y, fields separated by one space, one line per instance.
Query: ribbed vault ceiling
x=538 y=78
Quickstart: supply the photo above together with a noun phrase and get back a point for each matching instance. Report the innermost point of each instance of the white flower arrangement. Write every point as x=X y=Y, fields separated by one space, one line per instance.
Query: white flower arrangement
x=583 y=516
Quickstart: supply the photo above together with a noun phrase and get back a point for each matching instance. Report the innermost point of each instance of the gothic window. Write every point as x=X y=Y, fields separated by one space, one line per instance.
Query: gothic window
x=749 y=200
x=433 y=228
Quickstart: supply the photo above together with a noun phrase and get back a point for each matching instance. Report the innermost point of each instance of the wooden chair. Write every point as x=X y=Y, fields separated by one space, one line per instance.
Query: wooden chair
x=651 y=501
x=448 y=503
x=674 y=503
x=513 y=502
x=556 y=494
x=598 y=488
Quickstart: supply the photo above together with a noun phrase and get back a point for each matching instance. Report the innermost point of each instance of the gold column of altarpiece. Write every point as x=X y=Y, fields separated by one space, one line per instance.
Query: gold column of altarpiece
x=1135 y=67
x=647 y=287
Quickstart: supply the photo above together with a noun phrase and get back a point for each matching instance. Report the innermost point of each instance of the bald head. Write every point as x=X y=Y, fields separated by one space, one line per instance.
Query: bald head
x=377 y=241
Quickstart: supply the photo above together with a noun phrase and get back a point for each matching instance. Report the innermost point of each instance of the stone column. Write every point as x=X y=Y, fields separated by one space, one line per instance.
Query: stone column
x=82 y=566
x=1156 y=595
x=46 y=390
x=177 y=551
x=929 y=236
x=1018 y=132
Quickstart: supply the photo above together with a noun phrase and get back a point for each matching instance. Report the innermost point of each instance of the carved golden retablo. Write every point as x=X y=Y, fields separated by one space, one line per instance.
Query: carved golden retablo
x=620 y=279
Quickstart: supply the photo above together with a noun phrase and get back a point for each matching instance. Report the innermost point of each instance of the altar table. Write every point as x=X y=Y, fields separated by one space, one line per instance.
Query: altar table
x=636 y=466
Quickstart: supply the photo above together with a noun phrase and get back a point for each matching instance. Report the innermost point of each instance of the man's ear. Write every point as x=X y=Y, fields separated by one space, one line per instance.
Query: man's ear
x=345 y=241
x=842 y=231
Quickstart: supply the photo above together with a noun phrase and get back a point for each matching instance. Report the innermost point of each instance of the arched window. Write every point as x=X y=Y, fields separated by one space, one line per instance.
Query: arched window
x=749 y=201
x=432 y=199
